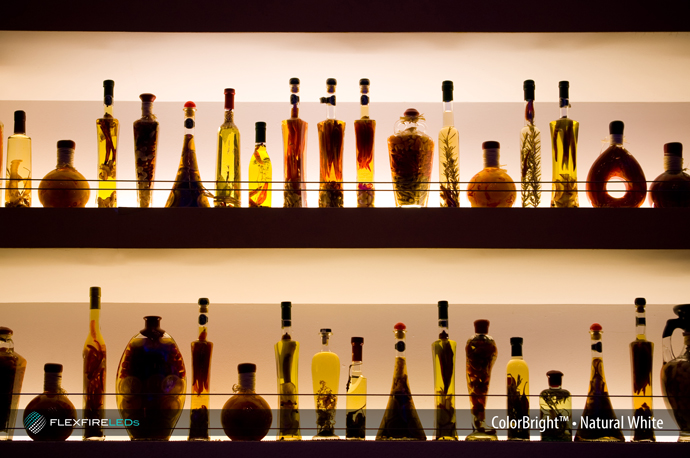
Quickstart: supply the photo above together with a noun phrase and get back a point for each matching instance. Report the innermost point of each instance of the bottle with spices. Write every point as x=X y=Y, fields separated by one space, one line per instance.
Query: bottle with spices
x=64 y=187
x=675 y=372
x=671 y=188
x=50 y=416
x=12 y=369
x=94 y=356
x=556 y=410
x=260 y=171
x=530 y=152
x=107 y=130
x=448 y=152
x=325 y=373
x=331 y=140
x=481 y=354
x=356 y=419
x=443 y=352
x=365 y=130
x=287 y=365
x=228 y=170
x=294 y=152
x=246 y=416
x=564 y=133
x=492 y=186
x=641 y=362
x=145 y=150
x=18 y=192
x=517 y=391
x=202 y=350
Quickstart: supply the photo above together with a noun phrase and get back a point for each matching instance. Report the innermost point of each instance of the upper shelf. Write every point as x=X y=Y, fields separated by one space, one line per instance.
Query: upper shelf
x=547 y=228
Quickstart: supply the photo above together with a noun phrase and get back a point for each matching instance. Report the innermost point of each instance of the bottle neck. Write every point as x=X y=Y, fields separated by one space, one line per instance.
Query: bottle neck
x=491 y=157
x=443 y=329
x=52 y=382
x=189 y=125
x=400 y=345
x=107 y=110
x=330 y=111
x=247 y=382
x=529 y=112
x=20 y=126
x=229 y=115
x=516 y=352
x=65 y=158
x=287 y=331
x=641 y=323
x=146 y=109
x=565 y=105
x=324 y=343
x=448 y=119
x=364 y=111
x=555 y=387
x=597 y=347
x=616 y=139
x=95 y=316
x=673 y=164
x=356 y=370
x=6 y=343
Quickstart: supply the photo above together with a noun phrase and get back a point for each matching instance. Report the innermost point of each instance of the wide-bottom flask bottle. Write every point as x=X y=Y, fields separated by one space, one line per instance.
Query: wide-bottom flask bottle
x=246 y=416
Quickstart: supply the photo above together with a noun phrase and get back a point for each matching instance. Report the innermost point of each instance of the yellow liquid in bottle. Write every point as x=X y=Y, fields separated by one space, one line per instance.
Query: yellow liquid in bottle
x=108 y=129
x=356 y=404
x=518 y=397
x=449 y=172
x=641 y=353
x=530 y=165
x=18 y=192
x=443 y=353
x=325 y=373
x=228 y=175
x=260 y=177
x=564 y=133
x=287 y=362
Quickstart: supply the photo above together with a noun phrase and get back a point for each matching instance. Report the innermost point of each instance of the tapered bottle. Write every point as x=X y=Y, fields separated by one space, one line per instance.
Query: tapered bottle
x=448 y=152
x=331 y=141
x=228 y=167
x=18 y=179
x=287 y=364
x=294 y=152
x=492 y=186
x=246 y=416
x=94 y=356
x=517 y=391
x=202 y=350
x=12 y=369
x=64 y=187
x=599 y=422
x=356 y=418
x=675 y=371
x=400 y=420
x=564 y=133
x=365 y=130
x=325 y=374
x=556 y=410
x=530 y=152
x=50 y=416
x=107 y=130
x=481 y=354
x=145 y=150
x=671 y=188
x=641 y=362
x=260 y=171
x=443 y=352
x=188 y=189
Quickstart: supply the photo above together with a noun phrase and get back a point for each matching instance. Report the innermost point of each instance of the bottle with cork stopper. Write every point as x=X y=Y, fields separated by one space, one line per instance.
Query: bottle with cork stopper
x=146 y=131
x=260 y=171
x=18 y=192
x=202 y=351
x=365 y=130
x=287 y=365
x=530 y=151
x=64 y=187
x=564 y=133
x=448 y=152
x=356 y=388
x=108 y=131
x=95 y=365
x=481 y=353
x=492 y=186
x=246 y=416
x=671 y=188
x=228 y=165
x=50 y=416
x=556 y=410
x=443 y=352
x=294 y=152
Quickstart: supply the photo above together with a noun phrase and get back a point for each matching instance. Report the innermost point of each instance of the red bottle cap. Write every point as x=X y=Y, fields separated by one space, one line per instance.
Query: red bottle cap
x=481 y=326
x=673 y=149
x=596 y=327
x=399 y=326
x=229 y=99
x=147 y=97
x=190 y=105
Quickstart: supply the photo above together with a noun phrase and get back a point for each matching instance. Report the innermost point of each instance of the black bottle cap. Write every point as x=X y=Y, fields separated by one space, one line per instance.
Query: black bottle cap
x=364 y=82
x=203 y=301
x=442 y=310
x=447 y=89
x=555 y=378
x=324 y=330
x=286 y=311
x=640 y=301
x=528 y=87
x=481 y=326
x=411 y=112
x=516 y=346
x=147 y=97
x=108 y=86
x=7 y=331
x=260 y=132
x=331 y=82
x=491 y=145
x=246 y=368
x=616 y=128
x=53 y=368
x=19 y=122
x=673 y=149
x=95 y=292
x=357 y=341
x=563 y=87
x=294 y=80
x=66 y=144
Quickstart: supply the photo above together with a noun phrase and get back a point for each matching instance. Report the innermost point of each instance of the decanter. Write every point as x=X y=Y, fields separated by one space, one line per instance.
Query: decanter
x=675 y=373
x=325 y=374
x=671 y=188
x=556 y=410
x=443 y=352
x=260 y=171
x=145 y=150
x=641 y=362
x=517 y=391
x=94 y=356
x=564 y=147
x=365 y=130
x=481 y=354
x=295 y=152
x=50 y=416
x=356 y=418
x=530 y=152
x=18 y=192
x=107 y=130
x=331 y=138
x=491 y=187
x=287 y=365
x=64 y=187
x=202 y=351
x=246 y=416
x=12 y=369
x=228 y=173
x=448 y=152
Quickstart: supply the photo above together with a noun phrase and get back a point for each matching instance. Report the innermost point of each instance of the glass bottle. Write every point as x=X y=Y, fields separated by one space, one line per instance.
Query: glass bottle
x=50 y=416
x=246 y=416
x=94 y=356
x=411 y=153
x=145 y=150
x=443 y=352
x=365 y=130
x=530 y=152
x=616 y=162
x=188 y=189
x=641 y=362
x=556 y=410
x=517 y=391
x=150 y=384
x=331 y=138
x=18 y=192
x=202 y=351
x=599 y=422
x=12 y=368
x=325 y=375
x=564 y=147
x=2 y=155
x=107 y=130
x=295 y=152
x=675 y=373
x=448 y=152
x=481 y=354
x=491 y=187
x=356 y=419
x=287 y=365
x=671 y=188
x=228 y=173
x=64 y=187
x=260 y=171
x=400 y=420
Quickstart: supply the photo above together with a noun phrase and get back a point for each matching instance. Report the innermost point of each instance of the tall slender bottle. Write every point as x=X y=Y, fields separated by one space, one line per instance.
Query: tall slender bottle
x=356 y=419
x=12 y=369
x=188 y=189
x=530 y=152
x=50 y=416
x=260 y=171
x=365 y=129
x=145 y=150
x=671 y=188
x=287 y=365
x=331 y=141
x=443 y=352
x=18 y=181
x=107 y=129
x=599 y=422
x=517 y=391
x=564 y=147
x=400 y=420
x=295 y=152
x=556 y=410
x=481 y=354
x=202 y=351
x=448 y=152
x=94 y=356
x=228 y=170
x=641 y=362
x=325 y=374
x=2 y=155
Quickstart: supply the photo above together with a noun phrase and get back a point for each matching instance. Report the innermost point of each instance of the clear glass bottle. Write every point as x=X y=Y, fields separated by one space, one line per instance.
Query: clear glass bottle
x=599 y=422
x=260 y=171
x=675 y=372
x=107 y=130
x=246 y=416
x=12 y=369
x=641 y=362
x=287 y=365
x=295 y=152
x=331 y=141
x=365 y=130
x=64 y=187
x=188 y=189
x=94 y=356
x=145 y=150
x=481 y=354
x=356 y=419
x=228 y=167
x=491 y=187
x=325 y=375
x=530 y=152
x=18 y=180
x=671 y=188
x=564 y=147
x=517 y=390
x=400 y=420
x=556 y=410
x=50 y=416
x=202 y=350
x=443 y=352
x=448 y=152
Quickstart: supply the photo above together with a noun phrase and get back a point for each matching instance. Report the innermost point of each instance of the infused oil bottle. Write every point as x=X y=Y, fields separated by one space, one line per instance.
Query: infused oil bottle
x=325 y=373
x=287 y=364
x=443 y=352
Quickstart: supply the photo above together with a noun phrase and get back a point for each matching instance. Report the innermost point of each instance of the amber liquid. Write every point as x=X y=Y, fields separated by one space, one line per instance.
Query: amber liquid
x=530 y=165
x=64 y=187
x=201 y=380
x=364 y=131
x=400 y=421
x=295 y=157
x=52 y=406
x=616 y=161
x=331 y=136
x=443 y=352
x=449 y=173
x=481 y=356
x=287 y=362
x=411 y=158
x=94 y=378
x=491 y=187
x=246 y=416
x=108 y=129
x=641 y=357
x=145 y=149
x=188 y=190
x=564 y=133
x=598 y=405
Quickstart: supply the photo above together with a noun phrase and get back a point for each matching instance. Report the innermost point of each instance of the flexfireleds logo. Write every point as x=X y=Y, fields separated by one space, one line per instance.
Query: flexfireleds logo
x=34 y=422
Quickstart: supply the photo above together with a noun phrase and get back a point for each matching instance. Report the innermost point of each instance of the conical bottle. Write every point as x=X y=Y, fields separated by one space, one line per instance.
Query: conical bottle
x=443 y=352
x=331 y=142
x=228 y=167
x=556 y=410
x=246 y=416
x=12 y=369
x=260 y=171
x=641 y=362
x=64 y=187
x=94 y=356
x=400 y=420
x=530 y=152
x=18 y=192
x=145 y=150
x=295 y=152
x=481 y=354
x=365 y=130
x=50 y=416
x=287 y=365
x=671 y=188
x=325 y=373
x=356 y=388
x=448 y=152
x=564 y=133
x=202 y=351
x=517 y=391
x=107 y=130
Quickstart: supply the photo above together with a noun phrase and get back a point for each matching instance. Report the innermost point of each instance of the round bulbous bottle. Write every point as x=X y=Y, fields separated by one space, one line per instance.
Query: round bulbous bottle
x=64 y=187
x=671 y=188
x=492 y=187
x=50 y=416
x=246 y=416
